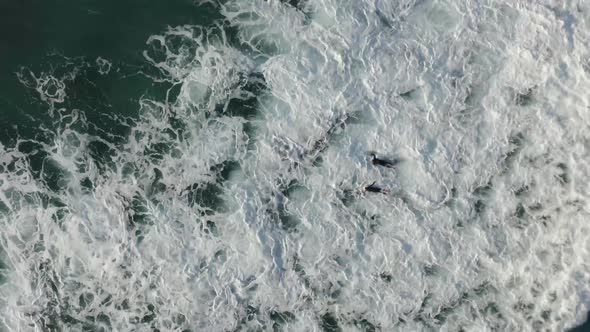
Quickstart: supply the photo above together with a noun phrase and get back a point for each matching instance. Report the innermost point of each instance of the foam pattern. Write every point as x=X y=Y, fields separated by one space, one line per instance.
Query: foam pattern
x=238 y=204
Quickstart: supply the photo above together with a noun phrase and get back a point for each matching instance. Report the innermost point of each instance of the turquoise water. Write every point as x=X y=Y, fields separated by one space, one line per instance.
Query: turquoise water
x=188 y=166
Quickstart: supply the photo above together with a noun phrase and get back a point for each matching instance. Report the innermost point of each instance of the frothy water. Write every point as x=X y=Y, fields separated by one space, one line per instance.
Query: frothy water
x=234 y=202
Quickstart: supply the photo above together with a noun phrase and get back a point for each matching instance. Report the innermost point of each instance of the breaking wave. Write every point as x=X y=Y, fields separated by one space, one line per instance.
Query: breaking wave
x=234 y=200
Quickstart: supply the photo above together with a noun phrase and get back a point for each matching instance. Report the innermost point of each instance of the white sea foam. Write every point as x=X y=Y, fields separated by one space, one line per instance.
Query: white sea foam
x=483 y=102
x=104 y=65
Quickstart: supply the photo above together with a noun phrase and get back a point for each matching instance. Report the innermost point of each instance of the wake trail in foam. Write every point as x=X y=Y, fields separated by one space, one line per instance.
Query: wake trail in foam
x=235 y=202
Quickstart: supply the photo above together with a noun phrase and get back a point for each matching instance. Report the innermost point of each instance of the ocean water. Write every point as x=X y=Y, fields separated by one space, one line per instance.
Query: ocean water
x=199 y=166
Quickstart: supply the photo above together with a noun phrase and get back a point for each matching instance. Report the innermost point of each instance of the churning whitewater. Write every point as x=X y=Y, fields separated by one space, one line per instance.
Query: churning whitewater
x=235 y=201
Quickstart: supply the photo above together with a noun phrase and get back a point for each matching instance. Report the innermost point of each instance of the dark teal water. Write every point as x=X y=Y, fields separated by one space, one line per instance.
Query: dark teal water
x=39 y=35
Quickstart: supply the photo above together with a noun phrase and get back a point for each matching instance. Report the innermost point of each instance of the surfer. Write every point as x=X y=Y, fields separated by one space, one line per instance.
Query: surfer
x=382 y=162
x=372 y=188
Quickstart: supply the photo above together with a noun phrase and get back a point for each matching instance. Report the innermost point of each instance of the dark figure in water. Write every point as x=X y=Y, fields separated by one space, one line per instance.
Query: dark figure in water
x=383 y=162
x=376 y=189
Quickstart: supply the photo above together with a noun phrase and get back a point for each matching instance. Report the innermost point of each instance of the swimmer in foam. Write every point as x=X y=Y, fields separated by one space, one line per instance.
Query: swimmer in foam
x=383 y=162
x=373 y=188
